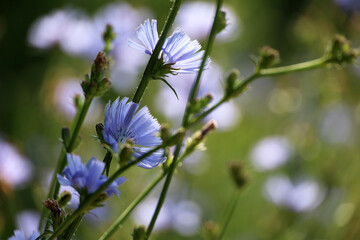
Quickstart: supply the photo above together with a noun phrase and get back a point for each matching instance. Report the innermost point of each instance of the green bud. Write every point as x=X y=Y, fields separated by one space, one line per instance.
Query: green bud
x=139 y=233
x=64 y=198
x=199 y=136
x=78 y=101
x=99 y=131
x=65 y=136
x=126 y=152
x=232 y=81
x=212 y=230
x=220 y=23
x=340 y=51
x=237 y=174
x=268 y=57
x=108 y=36
x=103 y=87
x=171 y=140
x=199 y=104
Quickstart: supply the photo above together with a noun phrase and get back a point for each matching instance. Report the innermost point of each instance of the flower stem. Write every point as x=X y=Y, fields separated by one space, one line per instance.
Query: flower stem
x=73 y=227
x=316 y=63
x=184 y=123
x=84 y=206
x=112 y=229
x=154 y=56
x=233 y=202
x=210 y=43
x=54 y=186
x=163 y=192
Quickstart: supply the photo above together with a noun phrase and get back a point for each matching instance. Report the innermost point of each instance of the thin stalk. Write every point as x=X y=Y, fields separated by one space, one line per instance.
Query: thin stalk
x=316 y=63
x=154 y=56
x=61 y=163
x=163 y=192
x=74 y=226
x=113 y=228
x=233 y=202
x=84 y=206
x=185 y=120
x=195 y=88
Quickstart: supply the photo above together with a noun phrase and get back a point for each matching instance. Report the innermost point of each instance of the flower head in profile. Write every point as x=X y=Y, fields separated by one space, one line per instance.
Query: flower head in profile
x=19 y=235
x=179 y=54
x=87 y=179
x=122 y=124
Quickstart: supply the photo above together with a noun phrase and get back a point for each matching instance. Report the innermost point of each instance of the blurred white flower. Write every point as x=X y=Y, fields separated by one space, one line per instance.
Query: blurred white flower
x=301 y=196
x=28 y=221
x=195 y=18
x=227 y=116
x=144 y=212
x=270 y=153
x=184 y=216
x=15 y=169
x=63 y=100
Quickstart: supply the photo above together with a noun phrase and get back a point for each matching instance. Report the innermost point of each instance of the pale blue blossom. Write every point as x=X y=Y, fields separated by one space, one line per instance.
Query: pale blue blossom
x=19 y=235
x=179 y=52
x=122 y=124
x=87 y=179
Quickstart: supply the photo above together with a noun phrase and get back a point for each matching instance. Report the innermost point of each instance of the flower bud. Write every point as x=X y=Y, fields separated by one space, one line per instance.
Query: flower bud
x=168 y=139
x=212 y=230
x=99 y=131
x=198 y=137
x=237 y=174
x=108 y=36
x=199 y=104
x=220 y=23
x=64 y=198
x=139 y=233
x=268 y=57
x=57 y=213
x=102 y=87
x=65 y=136
x=78 y=101
x=341 y=51
x=126 y=152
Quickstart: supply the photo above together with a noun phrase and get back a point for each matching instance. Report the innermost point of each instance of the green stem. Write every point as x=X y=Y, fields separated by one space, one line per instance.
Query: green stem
x=195 y=88
x=316 y=63
x=84 y=206
x=154 y=56
x=61 y=163
x=233 y=202
x=185 y=120
x=112 y=229
x=163 y=192
x=73 y=227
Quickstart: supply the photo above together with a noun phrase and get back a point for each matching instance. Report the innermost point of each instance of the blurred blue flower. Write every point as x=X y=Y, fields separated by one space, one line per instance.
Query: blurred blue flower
x=87 y=179
x=178 y=51
x=122 y=124
x=19 y=235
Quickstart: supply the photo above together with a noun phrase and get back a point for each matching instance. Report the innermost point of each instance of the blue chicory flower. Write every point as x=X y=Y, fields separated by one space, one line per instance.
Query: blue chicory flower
x=178 y=52
x=87 y=179
x=19 y=235
x=122 y=124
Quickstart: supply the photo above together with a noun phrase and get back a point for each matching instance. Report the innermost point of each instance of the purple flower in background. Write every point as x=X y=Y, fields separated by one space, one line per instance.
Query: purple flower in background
x=178 y=52
x=87 y=179
x=348 y=5
x=196 y=18
x=19 y=235
x=299 y=196
x=122 y=124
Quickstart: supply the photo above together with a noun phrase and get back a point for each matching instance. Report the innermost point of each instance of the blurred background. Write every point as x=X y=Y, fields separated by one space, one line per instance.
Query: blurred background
x=297 y=135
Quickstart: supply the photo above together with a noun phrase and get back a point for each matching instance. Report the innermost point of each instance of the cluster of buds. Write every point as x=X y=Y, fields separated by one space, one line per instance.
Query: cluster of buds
x=96 y=84
x=198 y=104
x=268 y=57
x=340 y=51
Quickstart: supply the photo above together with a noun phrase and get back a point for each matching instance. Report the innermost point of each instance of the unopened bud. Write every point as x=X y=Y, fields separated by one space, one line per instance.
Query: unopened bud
x=65 y=136
x=208 y=127
x=108 y=36
x=220 y=23
x=199 y=104
x=57 y=213
x=99 y=131
x=139 y=233
x=212 y=230
x=196 y=141
x=78 y=101
x=170 y=140
x=100 y=63
x=268 y=57
x=102 y=87
x=237 y=174
x=64 y=198
x=126 y=152
x=341 y=51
